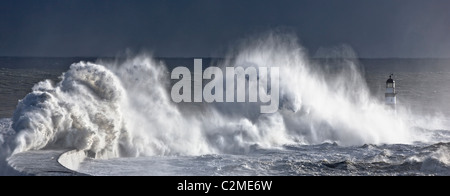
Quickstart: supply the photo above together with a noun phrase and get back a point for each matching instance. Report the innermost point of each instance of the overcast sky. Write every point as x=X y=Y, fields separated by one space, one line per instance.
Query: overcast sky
x=373 y=28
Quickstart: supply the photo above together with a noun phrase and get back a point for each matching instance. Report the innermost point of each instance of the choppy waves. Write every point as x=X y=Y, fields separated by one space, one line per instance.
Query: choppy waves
x=120 y=109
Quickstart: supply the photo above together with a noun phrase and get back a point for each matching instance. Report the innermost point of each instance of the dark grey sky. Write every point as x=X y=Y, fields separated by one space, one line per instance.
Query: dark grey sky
x=374 y=28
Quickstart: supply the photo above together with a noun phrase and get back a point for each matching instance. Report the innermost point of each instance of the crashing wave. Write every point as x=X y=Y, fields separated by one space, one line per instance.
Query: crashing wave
x=116 y=109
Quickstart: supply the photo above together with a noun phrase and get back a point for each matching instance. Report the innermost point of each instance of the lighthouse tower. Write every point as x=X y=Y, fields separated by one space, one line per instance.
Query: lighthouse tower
x=390 y=98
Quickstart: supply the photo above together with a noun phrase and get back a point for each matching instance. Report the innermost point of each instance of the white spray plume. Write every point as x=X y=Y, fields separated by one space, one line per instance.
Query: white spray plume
x=124 y=109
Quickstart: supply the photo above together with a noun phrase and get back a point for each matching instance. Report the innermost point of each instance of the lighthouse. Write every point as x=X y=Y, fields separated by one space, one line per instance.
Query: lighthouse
x=390 y=98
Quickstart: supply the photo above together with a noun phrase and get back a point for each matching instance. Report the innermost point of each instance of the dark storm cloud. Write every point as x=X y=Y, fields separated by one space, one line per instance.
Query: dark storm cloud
x=378 y=28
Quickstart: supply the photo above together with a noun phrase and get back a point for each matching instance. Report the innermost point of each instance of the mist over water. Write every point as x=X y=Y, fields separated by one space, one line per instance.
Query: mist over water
x=123 y=108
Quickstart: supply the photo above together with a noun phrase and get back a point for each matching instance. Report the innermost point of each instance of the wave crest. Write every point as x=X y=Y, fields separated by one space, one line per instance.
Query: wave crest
x=81 y=112
x=124 y=108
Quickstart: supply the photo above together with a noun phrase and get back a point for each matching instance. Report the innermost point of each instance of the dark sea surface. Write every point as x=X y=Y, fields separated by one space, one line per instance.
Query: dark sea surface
x=423 y=87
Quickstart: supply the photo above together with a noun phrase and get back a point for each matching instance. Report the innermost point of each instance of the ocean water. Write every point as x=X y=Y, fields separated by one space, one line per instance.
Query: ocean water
x=331 y=119
x=322 y=159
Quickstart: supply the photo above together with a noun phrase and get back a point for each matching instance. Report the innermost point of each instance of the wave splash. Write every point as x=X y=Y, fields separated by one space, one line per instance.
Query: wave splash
x=83 y=111
x=115 y=109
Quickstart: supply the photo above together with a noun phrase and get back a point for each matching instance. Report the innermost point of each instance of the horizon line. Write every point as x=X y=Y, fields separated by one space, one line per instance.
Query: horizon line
x=193 y=57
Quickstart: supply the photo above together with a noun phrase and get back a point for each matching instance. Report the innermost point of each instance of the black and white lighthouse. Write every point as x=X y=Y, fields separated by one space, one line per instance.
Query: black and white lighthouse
x=390 y=94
